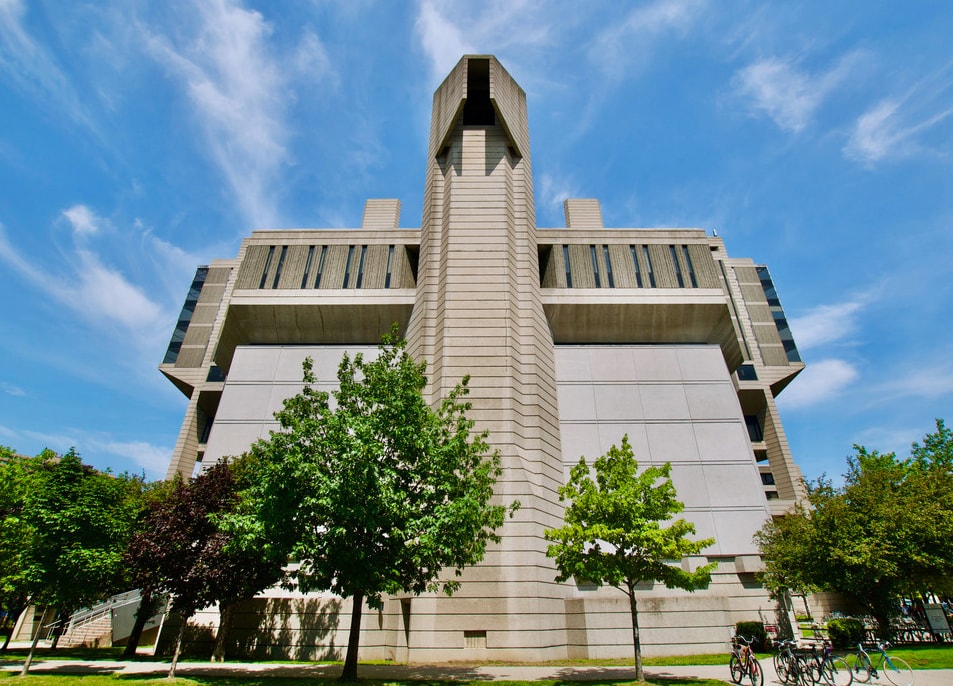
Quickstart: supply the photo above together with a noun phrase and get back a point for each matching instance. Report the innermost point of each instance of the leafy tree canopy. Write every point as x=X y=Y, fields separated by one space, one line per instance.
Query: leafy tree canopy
x=181 y=548
x=16 y=476
x=371 y=489
x=887 y=531
x=619 y=530
x=81 y=521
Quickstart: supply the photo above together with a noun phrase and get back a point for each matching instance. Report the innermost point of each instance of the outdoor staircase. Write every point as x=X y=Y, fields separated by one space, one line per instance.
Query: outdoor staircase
x=93 y=633
x=93 y=627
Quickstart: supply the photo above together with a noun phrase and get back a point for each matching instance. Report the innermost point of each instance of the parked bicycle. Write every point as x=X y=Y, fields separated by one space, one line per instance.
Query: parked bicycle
x=791 y=667
x=895 y=669
x=828 y=668
x=811 y=666
x=744 y=666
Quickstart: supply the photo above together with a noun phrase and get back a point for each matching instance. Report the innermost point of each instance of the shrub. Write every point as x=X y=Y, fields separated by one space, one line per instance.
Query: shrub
x=755 y=631
x=845 y=632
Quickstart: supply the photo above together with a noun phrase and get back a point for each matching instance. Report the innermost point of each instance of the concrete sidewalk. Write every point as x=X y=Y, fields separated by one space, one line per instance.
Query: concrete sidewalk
x=442 y=672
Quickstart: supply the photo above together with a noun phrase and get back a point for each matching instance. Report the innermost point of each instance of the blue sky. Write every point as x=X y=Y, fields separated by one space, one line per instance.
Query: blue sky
x=140 y=139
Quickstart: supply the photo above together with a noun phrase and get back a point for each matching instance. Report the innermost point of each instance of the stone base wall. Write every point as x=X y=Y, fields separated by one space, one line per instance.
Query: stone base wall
x=588 y=623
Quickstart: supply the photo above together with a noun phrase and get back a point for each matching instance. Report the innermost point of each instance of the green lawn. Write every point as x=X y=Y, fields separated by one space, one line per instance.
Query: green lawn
x=101 y=680
x=919 y=657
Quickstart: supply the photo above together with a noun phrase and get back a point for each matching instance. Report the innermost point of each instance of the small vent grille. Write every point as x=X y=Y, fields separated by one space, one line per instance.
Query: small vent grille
x=474 y=639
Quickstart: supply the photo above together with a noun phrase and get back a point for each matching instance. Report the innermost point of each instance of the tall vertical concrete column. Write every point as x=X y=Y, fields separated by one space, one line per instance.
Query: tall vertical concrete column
x=479 y=312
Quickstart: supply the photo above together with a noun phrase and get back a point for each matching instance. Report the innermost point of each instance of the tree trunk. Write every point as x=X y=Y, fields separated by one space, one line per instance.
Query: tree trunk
x=353 y=639
x=147 y=607
x=226 y=613
x=178 y=648
x=881 y=605
x=13 y=612
x=29 y=657
x=636 y=642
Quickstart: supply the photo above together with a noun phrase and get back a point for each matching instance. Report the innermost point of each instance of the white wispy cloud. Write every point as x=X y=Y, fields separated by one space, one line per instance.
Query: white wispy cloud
x=153 y=459
x=448 y=30
x=826 y=323
x=889 y=440
x=96 y=446
x=786 y=93
x=553 y=190
x=890 y=129
x=100 y=294
x=33 y=69
x=628 y=44
x=11 y=389
x=929 y=379
x=240 y=92
x=442 y=40
x=820 y=382
x=83 y=220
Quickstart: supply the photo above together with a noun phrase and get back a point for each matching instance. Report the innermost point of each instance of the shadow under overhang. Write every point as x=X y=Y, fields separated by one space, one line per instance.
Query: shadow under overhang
x=299 y=318
x=633 y=316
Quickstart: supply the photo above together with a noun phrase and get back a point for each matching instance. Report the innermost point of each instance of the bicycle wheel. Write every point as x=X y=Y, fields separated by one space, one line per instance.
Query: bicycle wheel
x=859 y=664
x=836 y=672
x=736 y=669
x=778 y=660
x=897 y=671
x=755 y=674
x=783 y=669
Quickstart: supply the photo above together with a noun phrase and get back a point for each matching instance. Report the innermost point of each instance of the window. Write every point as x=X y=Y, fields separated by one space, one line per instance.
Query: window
x=635 y=263
x=691 y=267
x=605 y=253
x=767 y=479
x=307 y=267
x=360 y=267
x=215 y=374
x=347 y=266
x=678 y=269
x=264 y=274
x=595 y=265
x=747 y=372
x=324 y=252
x=568 y=270
x=754 y=428
x=648 y=261
x=390 y=261
x=281 y=264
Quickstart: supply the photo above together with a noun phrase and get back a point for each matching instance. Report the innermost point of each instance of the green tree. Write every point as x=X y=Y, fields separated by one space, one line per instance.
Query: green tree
x=619 y=530
x=885 y=532
x=182 y=550
x=81 y=521
x=16 y=473
x=377 y=492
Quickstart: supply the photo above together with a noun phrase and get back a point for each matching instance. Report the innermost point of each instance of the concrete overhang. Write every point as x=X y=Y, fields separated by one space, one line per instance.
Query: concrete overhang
x=185 y=378
x=293 y=317
x=630 y=316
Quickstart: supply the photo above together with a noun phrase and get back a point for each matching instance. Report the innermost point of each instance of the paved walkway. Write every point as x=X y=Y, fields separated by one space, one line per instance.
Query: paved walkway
x=448 y=672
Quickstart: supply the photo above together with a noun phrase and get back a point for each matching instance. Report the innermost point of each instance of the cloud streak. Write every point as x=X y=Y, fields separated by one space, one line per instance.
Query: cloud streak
x=152 y=459
x=825 y=324
x=628 y=44
x=820 y=382
x=787 y=94
x=31 y=67
x=240 y=92
x=98 y=293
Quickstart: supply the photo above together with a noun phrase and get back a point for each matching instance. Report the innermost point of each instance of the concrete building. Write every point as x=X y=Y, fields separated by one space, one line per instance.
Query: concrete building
x=573 y=337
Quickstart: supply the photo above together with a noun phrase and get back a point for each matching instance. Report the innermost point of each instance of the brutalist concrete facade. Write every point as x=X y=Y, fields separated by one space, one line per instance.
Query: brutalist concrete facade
x=573 y=337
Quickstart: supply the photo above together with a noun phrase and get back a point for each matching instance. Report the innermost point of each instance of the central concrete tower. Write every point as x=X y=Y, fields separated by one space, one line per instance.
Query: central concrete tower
x=479 y=312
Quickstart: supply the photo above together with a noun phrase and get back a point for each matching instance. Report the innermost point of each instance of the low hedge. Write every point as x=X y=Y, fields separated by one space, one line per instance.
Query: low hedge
x=845 y=632
x=754 y=631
